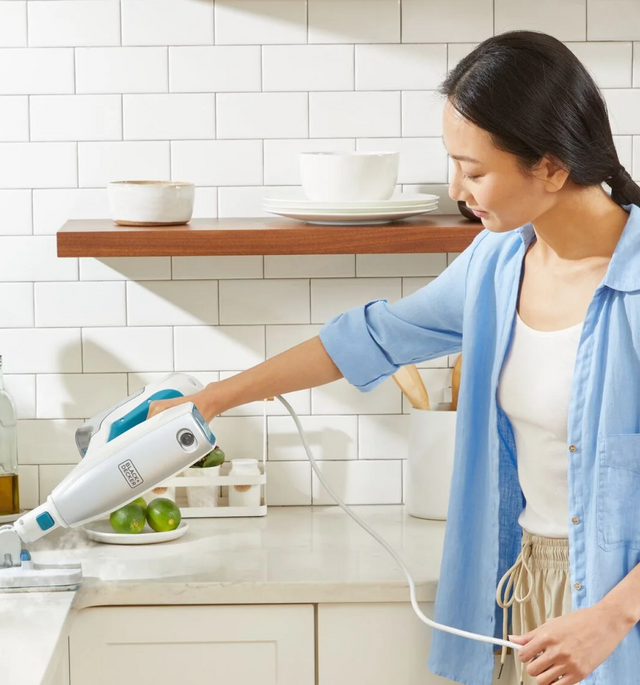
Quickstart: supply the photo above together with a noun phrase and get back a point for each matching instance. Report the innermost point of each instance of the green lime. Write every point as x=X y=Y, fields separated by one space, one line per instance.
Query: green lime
x=141 y=502
x=127 y=520
x=163 y=515
x=214 y=458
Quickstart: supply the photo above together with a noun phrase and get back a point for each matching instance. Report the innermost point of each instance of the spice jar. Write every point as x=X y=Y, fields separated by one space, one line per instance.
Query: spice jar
x=244 y=495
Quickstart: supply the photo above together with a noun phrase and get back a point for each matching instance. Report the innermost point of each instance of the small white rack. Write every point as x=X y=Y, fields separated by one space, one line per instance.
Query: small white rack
x=224 y=481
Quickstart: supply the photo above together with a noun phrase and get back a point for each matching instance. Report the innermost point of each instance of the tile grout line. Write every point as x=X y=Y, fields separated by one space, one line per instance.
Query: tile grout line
x=213 y=20
x=586 y=20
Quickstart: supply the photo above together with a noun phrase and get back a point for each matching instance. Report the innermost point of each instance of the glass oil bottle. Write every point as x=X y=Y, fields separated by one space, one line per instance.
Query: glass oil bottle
x=9 y=497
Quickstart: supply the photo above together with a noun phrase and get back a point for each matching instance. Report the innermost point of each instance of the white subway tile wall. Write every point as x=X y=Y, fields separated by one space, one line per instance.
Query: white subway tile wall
x=51 y=208
x=74 y=396
x=121 y=70
x=172 y=303
x=99 y=163
x=14 y=117
x=227 y=93
x=13 y=24
x=169 y=116
x=565 y=20
x=73 y=23
x=218 y=162
x=23 y=390
x=434 y=21
x=16 y=213
x=166 y=22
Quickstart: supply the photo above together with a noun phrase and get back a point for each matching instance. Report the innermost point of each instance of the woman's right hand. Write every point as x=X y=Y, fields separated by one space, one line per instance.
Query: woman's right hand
x=200 y=399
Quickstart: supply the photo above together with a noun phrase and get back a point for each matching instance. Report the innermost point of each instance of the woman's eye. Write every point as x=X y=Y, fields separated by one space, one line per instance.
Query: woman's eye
x=471 y=178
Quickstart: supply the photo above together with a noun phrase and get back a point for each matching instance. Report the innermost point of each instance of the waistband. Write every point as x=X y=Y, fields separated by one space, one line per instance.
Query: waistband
x=546 y=552
x=537 y=552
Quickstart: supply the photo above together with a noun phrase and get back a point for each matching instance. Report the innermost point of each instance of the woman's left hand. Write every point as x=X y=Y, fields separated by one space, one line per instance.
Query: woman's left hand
x=571 y=646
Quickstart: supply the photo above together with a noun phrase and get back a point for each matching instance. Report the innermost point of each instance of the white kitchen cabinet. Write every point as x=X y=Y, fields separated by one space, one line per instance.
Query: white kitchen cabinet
x=374 y=644
x=199 y=645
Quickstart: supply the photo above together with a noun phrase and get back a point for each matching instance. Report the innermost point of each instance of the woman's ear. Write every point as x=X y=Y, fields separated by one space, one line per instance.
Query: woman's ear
x=552 y=174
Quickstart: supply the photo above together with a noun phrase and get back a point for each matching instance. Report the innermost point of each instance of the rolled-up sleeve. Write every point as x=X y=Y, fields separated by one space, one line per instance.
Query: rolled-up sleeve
x=370 y=342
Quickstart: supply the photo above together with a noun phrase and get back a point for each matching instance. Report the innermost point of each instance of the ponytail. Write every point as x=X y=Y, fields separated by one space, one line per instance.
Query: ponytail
x=624 y=190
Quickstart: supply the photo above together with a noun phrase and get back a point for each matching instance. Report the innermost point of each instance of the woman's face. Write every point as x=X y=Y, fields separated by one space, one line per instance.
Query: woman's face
x=490 y=180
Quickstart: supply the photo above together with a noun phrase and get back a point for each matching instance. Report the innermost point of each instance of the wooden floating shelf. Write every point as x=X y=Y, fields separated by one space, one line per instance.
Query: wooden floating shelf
x=259 y=236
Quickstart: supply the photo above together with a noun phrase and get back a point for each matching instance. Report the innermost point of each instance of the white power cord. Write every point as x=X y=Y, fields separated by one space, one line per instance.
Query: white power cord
x=392 y=552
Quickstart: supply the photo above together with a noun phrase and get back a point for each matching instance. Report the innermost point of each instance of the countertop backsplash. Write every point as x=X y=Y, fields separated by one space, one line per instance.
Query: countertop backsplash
x=226 y=94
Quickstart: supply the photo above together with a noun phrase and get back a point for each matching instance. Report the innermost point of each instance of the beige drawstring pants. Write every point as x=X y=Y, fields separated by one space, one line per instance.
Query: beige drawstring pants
x=536 y=588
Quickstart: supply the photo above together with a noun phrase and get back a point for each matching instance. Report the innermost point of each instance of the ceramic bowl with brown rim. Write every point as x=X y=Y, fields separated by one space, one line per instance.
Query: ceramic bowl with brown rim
x=151 y=203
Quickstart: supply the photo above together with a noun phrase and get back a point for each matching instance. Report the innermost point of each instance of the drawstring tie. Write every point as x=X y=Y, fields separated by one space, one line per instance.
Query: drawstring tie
x=518 y=577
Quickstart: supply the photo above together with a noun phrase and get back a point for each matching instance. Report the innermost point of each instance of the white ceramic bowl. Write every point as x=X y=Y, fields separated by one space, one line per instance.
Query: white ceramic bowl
x=151 y=203
x=348 y=176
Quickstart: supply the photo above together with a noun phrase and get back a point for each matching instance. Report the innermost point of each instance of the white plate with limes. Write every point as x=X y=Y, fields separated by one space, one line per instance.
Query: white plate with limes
x=101 y=531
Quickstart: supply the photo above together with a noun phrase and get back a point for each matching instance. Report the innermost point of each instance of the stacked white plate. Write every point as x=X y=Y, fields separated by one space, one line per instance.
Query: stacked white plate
x=293 y=204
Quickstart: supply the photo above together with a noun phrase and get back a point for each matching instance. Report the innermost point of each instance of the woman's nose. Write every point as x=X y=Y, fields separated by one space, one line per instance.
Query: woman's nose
x=456 y=190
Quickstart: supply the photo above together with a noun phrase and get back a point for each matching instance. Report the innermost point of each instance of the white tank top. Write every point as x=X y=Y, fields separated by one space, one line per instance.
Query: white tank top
x=534 y=392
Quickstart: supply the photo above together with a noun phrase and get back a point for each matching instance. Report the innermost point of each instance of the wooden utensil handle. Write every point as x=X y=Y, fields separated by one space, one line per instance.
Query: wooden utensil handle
x=410 y=382
x=455 y=383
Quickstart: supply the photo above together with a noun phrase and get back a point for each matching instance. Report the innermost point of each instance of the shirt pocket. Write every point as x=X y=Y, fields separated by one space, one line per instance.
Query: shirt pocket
x=618 y=498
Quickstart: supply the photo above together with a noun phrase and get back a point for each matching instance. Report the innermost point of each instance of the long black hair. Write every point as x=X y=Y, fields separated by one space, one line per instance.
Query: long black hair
x=535 y=98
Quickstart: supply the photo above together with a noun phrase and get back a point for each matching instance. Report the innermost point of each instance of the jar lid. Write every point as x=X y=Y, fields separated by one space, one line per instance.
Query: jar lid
x=248 y=466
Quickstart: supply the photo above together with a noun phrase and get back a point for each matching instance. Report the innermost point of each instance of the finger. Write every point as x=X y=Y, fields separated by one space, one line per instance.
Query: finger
x=518 y=639
x=544 y=662
x=155 y=408
x=531 y=650
x=551 y=676
x=526 y=640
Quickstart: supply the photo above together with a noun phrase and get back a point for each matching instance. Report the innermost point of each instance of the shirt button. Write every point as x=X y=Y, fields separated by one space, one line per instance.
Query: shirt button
x=575 y=519
x=572 y=448
x=577 y=586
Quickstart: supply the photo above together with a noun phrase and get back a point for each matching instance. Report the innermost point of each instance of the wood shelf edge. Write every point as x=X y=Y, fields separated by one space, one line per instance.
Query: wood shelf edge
x=255 y=236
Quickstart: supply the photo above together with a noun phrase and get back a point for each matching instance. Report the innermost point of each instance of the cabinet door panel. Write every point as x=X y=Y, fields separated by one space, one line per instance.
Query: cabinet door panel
x=374 y=644
x=61 y=675
x=199 y=645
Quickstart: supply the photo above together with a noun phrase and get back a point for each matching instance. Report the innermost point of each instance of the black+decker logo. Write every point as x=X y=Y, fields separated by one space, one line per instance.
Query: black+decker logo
x=130 y=473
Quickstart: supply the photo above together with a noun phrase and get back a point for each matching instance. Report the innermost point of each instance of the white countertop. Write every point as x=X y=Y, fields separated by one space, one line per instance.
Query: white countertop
x=291 y=555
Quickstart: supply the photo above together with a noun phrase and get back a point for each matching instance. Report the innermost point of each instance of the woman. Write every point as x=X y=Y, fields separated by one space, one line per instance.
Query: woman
x=544 y=515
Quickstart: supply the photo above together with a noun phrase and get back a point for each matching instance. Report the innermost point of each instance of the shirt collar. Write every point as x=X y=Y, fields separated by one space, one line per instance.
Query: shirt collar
x=623 y=272
x=624 y=268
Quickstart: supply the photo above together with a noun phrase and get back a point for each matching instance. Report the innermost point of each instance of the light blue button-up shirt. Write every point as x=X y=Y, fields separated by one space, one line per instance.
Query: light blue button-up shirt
x=477 y=295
